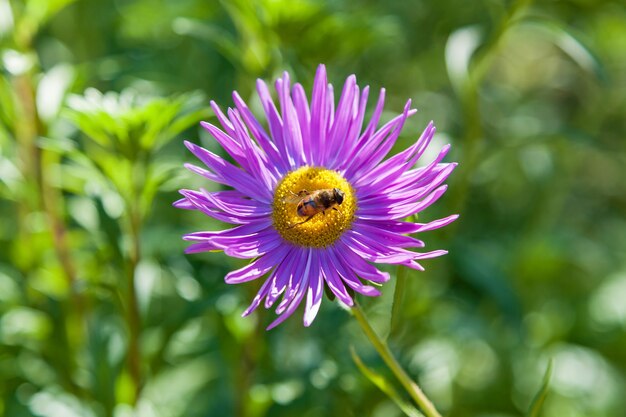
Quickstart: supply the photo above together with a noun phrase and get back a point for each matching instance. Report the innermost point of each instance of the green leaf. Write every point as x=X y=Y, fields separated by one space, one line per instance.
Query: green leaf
x=540 y=397
x=183 y=122
x=570 y=43
x=7 y=110
x=385 y=386
x=460 y=48
x=43 y=10
x=481 y=271
x=132 y=125
x=58 y=145
x=219 y=38
x=6 y=18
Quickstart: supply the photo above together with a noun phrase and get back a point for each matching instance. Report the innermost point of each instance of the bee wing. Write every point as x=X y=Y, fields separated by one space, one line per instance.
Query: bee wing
x=294 y=198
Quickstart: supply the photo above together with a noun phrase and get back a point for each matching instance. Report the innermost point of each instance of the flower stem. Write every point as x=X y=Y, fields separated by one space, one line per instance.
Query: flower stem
x=134 y=318
x=398 y=296
x=383 y=350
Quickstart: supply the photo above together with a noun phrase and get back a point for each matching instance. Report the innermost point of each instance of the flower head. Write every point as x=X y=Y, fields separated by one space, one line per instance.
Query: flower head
x=313 y=200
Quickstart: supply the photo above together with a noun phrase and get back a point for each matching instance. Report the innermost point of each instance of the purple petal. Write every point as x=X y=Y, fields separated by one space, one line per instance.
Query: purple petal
x=431 y=254
x=207 y=206
x=258 y=245
x=330 y=109
x=233 y=202
x=391 y=184
x=235 y=232
x=372 y=250
x=343 y=116
x=392 y=196
x=367 y=154
x=256 y=161
x=257 y=268
x=259 y=134
x=227 y=142
x=407 y=227
x=399 y=163
x=291 y=127
x=286 y=275
x=352 y=137
x=315 y=291
x=231 y=175
x=333 y=280
x=242 y=242
x=184 y=204
x=416 y=178
x=368 y=159
x=436 y=224
x=304 y=120
x=205 y=173
x=295 y=299
x=319 y=116
x=201 y=247
x=244 y=248
x=348 y=276
x=222 y=119
x=262 y=293
x=274 y=121
x=400 y=212
x=296 y=281
x=387 y=237
x=363 y=269
x=378 y=111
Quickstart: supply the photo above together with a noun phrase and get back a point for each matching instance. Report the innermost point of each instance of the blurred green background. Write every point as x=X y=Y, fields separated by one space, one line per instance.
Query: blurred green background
x=103 y=315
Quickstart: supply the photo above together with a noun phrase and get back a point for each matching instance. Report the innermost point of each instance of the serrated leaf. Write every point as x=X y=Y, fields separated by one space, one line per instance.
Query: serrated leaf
x=130 y=124
x=540 y=397
x=183 y=122
x=58 y=145
x=385 y=386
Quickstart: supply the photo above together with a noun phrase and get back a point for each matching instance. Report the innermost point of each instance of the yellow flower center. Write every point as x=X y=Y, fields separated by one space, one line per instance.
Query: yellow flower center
x=317 y=224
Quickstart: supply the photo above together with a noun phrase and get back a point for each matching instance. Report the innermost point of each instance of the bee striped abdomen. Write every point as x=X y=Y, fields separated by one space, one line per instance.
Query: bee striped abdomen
x=307 y=207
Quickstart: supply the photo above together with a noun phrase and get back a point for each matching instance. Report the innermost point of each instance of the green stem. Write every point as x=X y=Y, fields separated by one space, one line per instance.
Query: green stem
x=383 y=350
x=134 y=318
x=398 y=297
x=470 y=100
x=35 y=164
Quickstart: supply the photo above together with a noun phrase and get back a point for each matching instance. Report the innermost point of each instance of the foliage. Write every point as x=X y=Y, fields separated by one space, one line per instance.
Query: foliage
x=101 y=313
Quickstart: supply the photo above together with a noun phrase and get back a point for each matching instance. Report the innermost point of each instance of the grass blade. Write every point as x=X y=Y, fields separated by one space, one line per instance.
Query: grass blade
x=540 y=397
x=385 y=386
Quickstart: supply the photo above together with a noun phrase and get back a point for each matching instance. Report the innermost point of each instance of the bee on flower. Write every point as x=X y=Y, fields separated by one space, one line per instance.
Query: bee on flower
x=313 y=201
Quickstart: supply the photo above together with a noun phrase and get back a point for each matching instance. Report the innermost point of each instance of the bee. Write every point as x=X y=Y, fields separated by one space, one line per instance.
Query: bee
x=311 y=203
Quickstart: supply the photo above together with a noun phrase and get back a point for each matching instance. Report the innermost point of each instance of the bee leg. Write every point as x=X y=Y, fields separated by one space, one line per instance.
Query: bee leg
x=304 y=221
x=335 y=208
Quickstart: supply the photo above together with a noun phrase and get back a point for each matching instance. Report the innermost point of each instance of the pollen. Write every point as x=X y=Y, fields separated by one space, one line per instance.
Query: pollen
x=324 y=228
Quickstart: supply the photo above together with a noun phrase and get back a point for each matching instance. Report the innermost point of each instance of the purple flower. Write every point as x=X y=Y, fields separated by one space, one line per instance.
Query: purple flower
x=313 y=201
